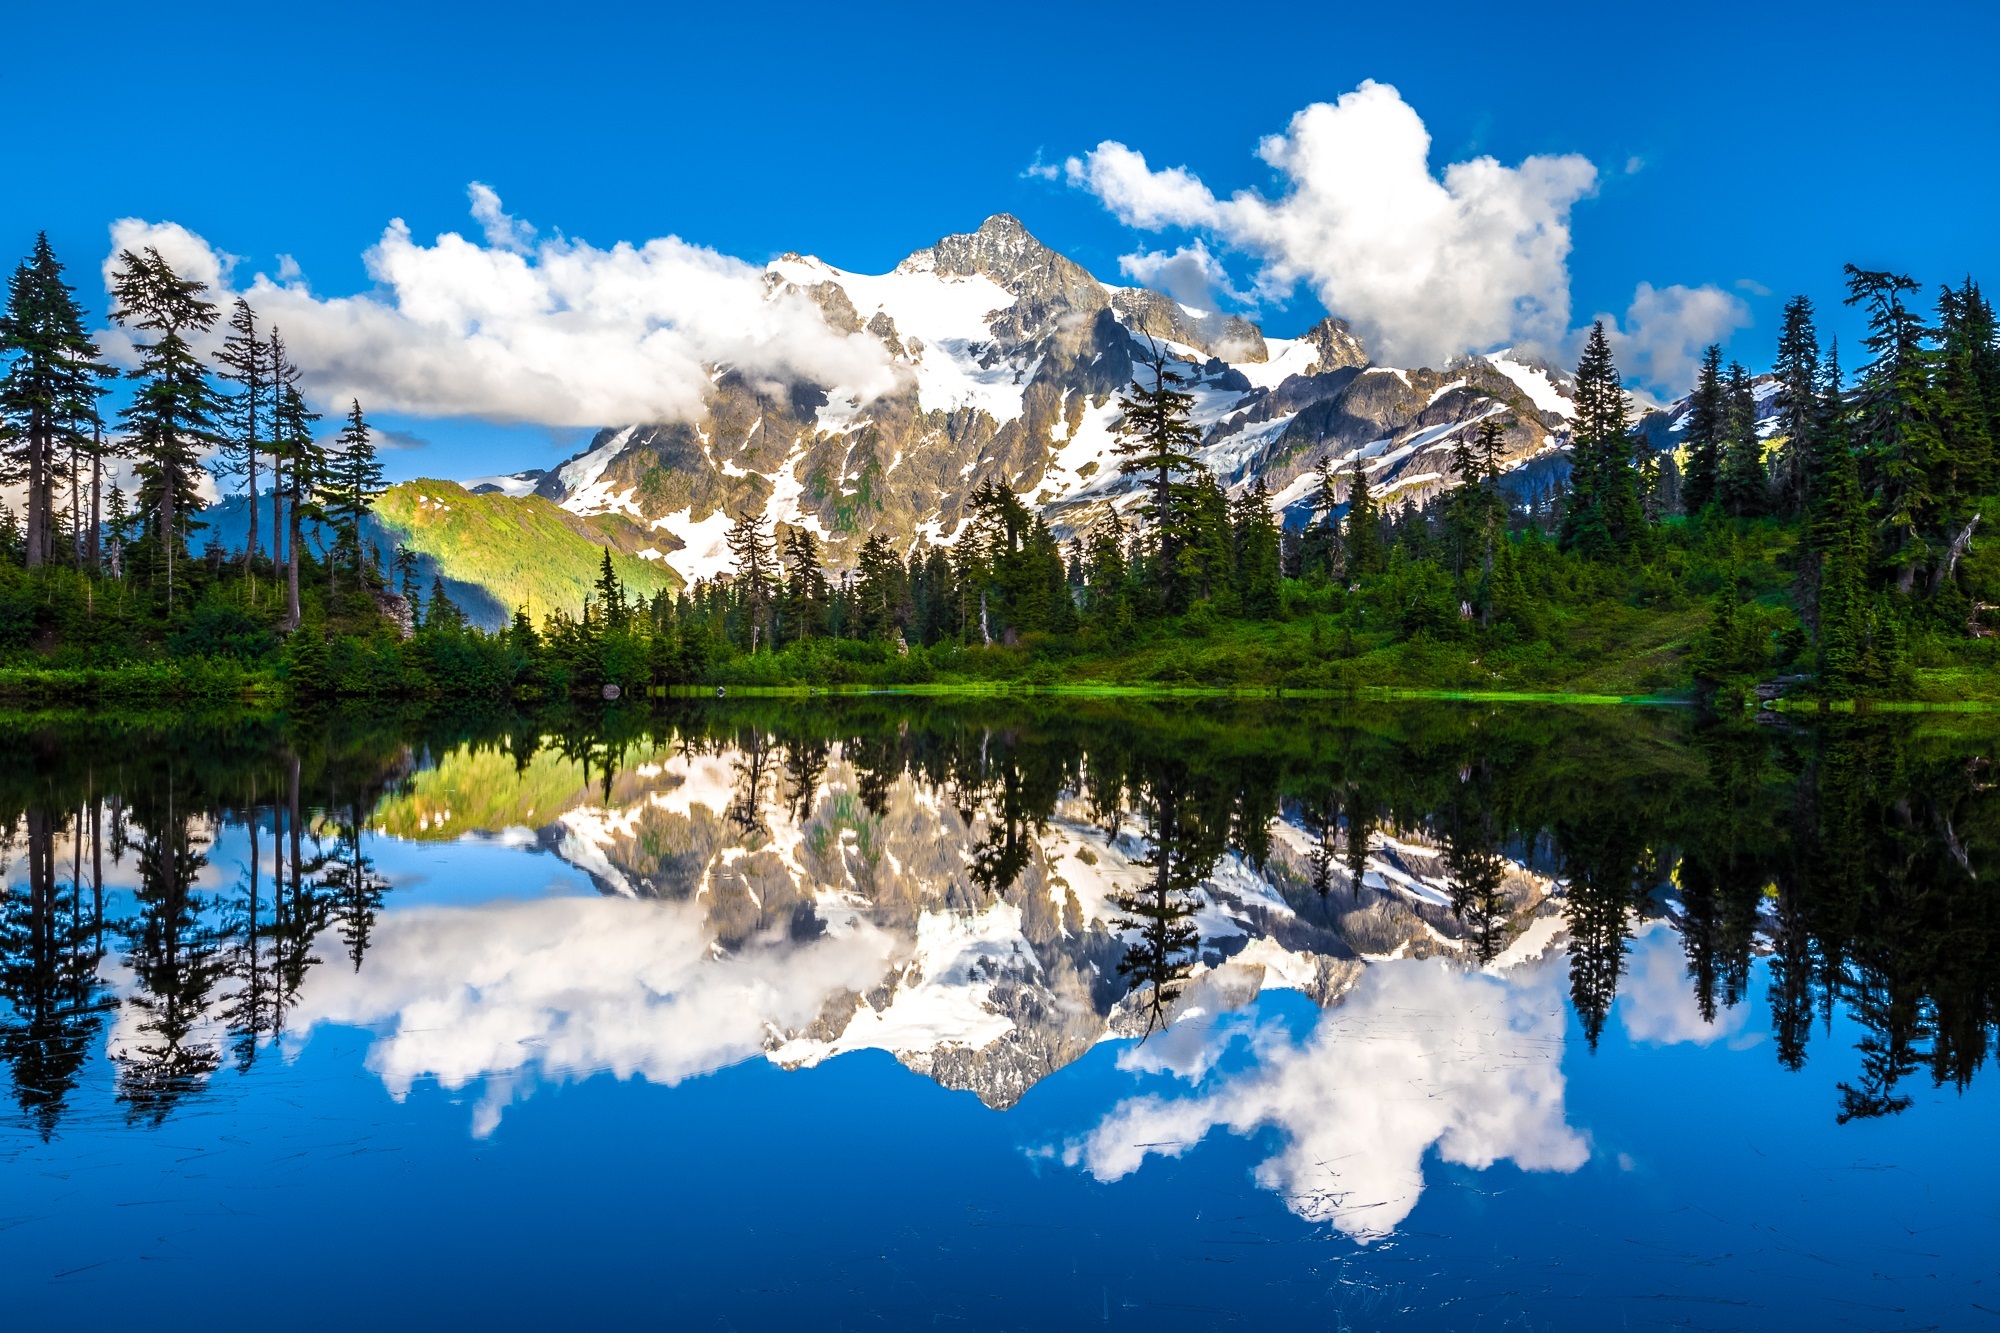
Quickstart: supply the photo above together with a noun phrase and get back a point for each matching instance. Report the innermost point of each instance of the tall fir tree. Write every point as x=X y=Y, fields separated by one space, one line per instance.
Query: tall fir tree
x=1744 y=487
x=1156 y=440
x=172 y=415
x=1258 y=577
x=353 y=482
x=304 y=460
x=1798 y=405
x=1703 y=437
x=756 y=569
x=1896 y=426
x=1602 y=519
x=245 y=360
x=1361 y=540
x=48 y=396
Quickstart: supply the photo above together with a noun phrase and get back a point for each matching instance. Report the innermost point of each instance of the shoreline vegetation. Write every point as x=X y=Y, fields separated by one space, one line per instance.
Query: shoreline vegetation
x=1800 y=541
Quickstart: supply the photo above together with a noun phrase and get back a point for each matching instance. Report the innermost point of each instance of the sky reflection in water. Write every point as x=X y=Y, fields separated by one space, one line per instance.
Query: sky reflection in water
x=750 y=920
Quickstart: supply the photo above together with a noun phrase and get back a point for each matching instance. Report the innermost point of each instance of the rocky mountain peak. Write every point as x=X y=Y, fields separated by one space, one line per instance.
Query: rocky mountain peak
x=1337 y=345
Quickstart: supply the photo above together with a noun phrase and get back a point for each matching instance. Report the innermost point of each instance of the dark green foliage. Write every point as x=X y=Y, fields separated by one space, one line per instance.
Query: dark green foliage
x=1601 y=519
x=1361 y=539
x=48 y=396
x=1744 y=487
x=173 y=413
x=351 y=482
x=1706 y=430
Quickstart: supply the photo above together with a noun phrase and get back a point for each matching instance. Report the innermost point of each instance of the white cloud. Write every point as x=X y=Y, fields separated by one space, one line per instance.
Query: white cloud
x=503 y=231
x=1418 y=1054
x=1191 y=275
x=563 y=334
x=1425 y=267
x=512 y=992
x=1657 y=1002
x=1660 y=339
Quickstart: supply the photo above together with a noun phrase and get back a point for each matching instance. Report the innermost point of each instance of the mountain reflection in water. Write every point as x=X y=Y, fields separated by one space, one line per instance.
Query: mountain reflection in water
x=988 y=890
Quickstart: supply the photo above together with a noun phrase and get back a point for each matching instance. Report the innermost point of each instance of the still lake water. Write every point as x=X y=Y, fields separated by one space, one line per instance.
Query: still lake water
x=1035 y=1015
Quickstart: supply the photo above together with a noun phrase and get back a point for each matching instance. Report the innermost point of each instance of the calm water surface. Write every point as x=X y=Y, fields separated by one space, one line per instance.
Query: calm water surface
x=1050 y=1014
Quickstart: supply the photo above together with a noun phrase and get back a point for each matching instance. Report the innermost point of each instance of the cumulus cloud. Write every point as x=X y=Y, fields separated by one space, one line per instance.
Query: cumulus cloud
x=1424 y=266
x=1191 y=275
x=503 y=231
x=1420 y=1054
x=514 y=992
x=555 y=332
x=1657 y=1005
x=1659 y=341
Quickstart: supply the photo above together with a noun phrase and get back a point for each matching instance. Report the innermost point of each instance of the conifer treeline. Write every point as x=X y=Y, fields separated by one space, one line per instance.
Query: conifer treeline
x=1826 y=522
x=242 y=417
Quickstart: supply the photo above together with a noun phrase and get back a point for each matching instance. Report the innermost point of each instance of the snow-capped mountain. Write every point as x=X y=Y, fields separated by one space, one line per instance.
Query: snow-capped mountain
x=1009 y=360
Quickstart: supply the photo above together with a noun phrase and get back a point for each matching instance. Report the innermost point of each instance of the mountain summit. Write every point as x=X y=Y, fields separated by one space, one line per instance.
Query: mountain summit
x=1008 y=360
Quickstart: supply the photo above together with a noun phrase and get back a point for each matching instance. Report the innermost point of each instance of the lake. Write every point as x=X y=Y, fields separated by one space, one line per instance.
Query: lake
x=1001 y=1014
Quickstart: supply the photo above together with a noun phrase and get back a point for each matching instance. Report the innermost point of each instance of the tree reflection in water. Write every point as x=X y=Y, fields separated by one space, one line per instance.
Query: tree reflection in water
x=1855 y=855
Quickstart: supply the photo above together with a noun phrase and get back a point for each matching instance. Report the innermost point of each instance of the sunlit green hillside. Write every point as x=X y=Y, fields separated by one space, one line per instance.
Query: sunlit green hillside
x=516 y=551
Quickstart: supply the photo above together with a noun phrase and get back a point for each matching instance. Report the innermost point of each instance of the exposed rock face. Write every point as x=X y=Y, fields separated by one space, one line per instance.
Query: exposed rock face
x=1009 y=359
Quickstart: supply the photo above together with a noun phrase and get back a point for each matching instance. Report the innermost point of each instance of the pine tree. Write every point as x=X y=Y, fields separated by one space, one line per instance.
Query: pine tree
x=1744 y=487
x=404 y=564
x=1703 y=436
x=1105 y=572
x=353 y=482
x=1968 y=393
x=1798 y=404
x=1602 y=519
x=172 y=414
x=442 y=613
x=245 y=363
x=1258 y=577
x=611 y=595
x=284 y=377
x=807 y=594
x=48 y=397
x=1895 y=423
x=1361 y=541
x=1157 y=441
x=304 y=466
x=756 y=569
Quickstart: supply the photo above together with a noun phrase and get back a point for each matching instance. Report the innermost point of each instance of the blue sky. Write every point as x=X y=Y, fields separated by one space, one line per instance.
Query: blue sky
x=1737 y=148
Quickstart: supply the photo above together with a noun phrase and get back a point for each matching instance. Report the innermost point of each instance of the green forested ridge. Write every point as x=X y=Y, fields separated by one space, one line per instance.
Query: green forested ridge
x=1833 y=542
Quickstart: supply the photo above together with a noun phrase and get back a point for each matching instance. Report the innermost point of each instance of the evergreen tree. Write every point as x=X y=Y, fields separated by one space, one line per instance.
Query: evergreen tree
x=1257 y=573
x=404 y=565
x=1319 y=545
x=1602 y=519
x=245 y=362
x=353 y=482
x=807 y=594
x=1798 y=404
x=1744 y=488
x=1361 y=541
x=616 y=612
x=1895 y=424
x=172 y=414
x=442 y=613
x=1156 y=440
x=756 y=569
x=284 y=377
x=1707 y=423
x=1968 y=392
x=1105 y=572
x=304 y=462
x=48 y=397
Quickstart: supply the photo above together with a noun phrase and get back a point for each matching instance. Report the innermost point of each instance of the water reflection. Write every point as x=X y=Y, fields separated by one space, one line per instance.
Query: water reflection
x=986 y=891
